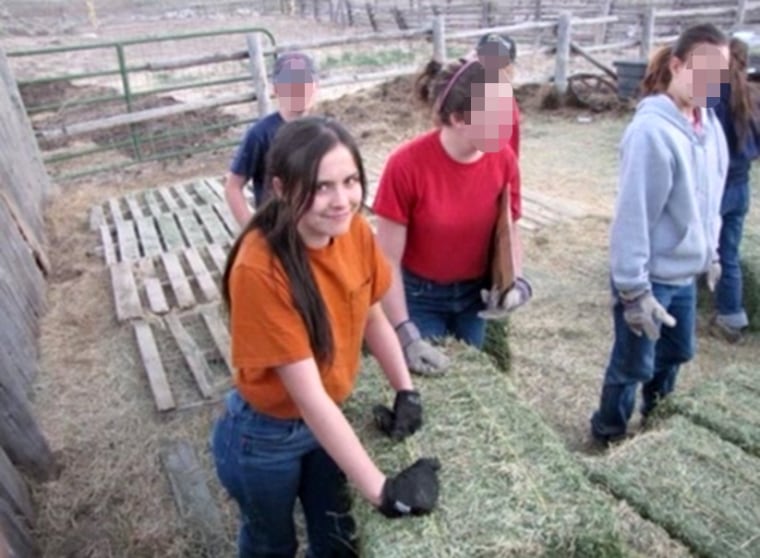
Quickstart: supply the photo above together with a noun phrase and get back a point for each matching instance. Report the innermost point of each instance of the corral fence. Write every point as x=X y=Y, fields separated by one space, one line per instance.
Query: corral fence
x=139 y=100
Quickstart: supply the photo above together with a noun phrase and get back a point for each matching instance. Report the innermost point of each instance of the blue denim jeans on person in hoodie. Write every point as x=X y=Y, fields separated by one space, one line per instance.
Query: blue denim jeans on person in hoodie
x=636 y=360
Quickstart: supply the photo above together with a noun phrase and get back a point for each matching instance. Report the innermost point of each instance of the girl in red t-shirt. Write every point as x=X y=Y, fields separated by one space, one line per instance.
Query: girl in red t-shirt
x=438 y=205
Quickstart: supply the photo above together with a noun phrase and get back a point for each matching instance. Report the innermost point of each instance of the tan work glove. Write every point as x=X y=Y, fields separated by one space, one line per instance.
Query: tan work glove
x=713 y=275
x=644 y=314
x=500 y=304
x=421 y=357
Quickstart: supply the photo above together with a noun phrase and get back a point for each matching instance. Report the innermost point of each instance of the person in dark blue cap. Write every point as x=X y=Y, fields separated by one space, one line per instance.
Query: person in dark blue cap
x=295 y=87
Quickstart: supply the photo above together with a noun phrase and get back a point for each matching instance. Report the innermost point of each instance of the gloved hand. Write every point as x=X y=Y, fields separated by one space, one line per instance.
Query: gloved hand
x=644 y=314
x=713 y=275
x=413 y=491
x=405 y=418
x=421 y=357
x=500 y=304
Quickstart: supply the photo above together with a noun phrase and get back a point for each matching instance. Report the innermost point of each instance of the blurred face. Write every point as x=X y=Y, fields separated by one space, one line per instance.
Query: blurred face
x=295 y=99
x=700 y=75
x=337 y=198
x=489 y=124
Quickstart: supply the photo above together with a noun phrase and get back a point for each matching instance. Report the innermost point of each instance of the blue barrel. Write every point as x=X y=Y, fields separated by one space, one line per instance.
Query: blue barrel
x=629 y=76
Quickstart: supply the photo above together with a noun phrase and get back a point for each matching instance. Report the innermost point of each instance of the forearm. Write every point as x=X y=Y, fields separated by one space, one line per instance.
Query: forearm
x=233 y=193
x=394 y=301
x=335 y=435
x=385 y=347
x=517 y=248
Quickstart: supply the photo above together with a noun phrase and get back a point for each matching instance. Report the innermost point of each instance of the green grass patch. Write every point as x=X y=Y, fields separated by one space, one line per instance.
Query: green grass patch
x=702 y=489
x=508 y=485
x=390 y=57
x=730 y=406
x=496 y=344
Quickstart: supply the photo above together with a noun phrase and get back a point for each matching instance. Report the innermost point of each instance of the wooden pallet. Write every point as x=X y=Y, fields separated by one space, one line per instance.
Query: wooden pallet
x=186 y=353
x=166 y=219
x=180 y=279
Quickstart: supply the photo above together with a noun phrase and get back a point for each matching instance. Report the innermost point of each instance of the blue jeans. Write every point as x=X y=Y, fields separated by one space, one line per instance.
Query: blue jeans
x=266 y=463
x=638 y=360
x=728 y=293
x=440 y=309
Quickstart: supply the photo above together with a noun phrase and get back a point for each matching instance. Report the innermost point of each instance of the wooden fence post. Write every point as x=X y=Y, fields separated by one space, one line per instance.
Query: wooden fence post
x=439 y=39
x=563 y=52
x=259 y=73
x=371 y=17
x=349 y=13
x=741 y=11
x=647 y=32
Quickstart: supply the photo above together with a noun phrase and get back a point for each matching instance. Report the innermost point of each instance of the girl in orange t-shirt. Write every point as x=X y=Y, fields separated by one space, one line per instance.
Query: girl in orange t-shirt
x=302 y=285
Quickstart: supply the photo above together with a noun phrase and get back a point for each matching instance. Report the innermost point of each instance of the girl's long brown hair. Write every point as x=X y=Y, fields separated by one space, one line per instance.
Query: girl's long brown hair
x=742 y=101
x=658 y=76
x=294 y=158
x=434 y=79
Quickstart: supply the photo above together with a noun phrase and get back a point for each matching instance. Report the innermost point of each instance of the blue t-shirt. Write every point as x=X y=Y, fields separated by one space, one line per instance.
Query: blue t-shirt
x=250 y=158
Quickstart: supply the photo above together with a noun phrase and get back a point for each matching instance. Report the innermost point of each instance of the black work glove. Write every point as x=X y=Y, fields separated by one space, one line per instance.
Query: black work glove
x=405 y=418
x=414 y=491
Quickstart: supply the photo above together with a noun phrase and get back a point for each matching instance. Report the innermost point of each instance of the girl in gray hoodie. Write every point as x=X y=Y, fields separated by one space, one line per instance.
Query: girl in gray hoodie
x=666 y=225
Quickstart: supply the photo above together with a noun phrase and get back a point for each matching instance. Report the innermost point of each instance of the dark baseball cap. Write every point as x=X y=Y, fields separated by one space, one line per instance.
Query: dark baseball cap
x=294 y=67
x=498 y=46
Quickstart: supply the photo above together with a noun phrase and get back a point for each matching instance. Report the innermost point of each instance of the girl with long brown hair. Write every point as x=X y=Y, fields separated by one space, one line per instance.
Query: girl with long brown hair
x=737 y=110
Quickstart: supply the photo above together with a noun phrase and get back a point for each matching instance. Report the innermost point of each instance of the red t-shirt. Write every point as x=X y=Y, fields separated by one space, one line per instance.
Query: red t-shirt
x=449 y=208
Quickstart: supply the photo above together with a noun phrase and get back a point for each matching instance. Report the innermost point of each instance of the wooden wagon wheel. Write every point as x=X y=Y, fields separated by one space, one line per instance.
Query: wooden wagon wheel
x=592 y=90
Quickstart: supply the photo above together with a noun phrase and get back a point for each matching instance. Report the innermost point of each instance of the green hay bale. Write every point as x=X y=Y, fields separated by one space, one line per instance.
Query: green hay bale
x=700 y=488
x=496 y=344
x=508 y=485
x=730 y=406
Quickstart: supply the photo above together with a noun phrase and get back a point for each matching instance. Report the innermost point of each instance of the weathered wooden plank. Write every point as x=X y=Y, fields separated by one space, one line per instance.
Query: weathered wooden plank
x=154 y=290
x=170 y=233
x=152 y=201
x=16 y=534
x=216 y=187
x=115 y=209
x=203 y=190
x=129 y=248
x=125 y=293
x=97 y=218
x=13 y=489
x=168 y=199
x=20 y=435
x=194 y=356
x=135 y=211
x=219 y=334
x=109 y=254
x=149 y=237
x=202 y=276
x=191 y=227
x=151 y=359
x=229 y=221
x=214 y=227
x=181 y=192
x=219 y=256
x=195 y=505
x=180 y=285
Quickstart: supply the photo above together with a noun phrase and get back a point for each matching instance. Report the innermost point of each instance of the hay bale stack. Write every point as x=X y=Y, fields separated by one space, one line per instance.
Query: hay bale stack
x=508 y=485
x=730 y=406
x=701 y=489
x=496 y=344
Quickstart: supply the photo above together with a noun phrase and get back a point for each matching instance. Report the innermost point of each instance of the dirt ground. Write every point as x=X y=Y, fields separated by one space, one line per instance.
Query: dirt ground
x=94 y=403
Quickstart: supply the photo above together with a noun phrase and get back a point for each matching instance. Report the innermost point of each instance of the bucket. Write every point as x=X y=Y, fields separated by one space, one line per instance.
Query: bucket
x=629 y=76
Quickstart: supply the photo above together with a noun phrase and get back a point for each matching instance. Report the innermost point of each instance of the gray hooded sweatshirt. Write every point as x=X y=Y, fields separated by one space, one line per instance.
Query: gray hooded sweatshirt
x=667 y=213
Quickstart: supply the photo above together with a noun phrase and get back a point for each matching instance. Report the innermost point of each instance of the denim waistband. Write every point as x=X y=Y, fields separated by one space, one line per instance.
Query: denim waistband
x=463 y=283
x=236 y=405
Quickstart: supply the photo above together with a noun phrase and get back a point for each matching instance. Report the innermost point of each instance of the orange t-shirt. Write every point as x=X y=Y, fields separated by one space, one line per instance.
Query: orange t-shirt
x=267 y=331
